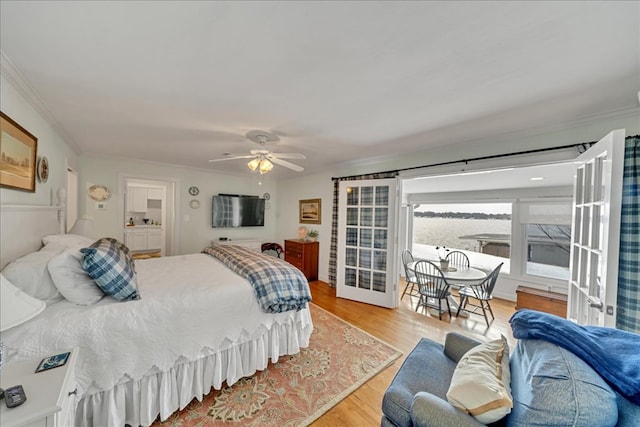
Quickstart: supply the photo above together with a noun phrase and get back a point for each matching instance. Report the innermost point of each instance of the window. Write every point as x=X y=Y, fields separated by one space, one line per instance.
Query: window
x=482 y=231
x=548 y=238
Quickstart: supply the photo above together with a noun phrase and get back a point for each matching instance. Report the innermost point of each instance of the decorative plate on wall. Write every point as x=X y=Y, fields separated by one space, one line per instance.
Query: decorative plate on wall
x=43 y=169
x=194 y=204
x=194 y=191
x=99 y=193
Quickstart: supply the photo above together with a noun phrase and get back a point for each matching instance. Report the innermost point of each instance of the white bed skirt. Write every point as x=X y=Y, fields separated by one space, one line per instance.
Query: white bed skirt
x=138 y=403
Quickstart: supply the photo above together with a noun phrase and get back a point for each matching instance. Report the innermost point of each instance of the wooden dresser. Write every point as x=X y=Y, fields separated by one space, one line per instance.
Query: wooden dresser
x=304 y=255
x=541 y=300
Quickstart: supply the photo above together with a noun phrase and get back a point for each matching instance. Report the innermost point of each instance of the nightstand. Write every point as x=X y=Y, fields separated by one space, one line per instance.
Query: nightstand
x=51 y=395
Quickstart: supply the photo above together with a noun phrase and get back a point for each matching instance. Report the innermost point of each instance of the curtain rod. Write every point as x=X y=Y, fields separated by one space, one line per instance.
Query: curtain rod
x=582 y=147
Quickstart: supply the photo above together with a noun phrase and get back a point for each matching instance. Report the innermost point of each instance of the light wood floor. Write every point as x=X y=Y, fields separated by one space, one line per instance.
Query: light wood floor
x=401 y=328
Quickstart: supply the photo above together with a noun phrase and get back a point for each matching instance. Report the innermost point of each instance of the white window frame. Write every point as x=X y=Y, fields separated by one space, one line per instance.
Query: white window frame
x=518 y=255
x=533 y=278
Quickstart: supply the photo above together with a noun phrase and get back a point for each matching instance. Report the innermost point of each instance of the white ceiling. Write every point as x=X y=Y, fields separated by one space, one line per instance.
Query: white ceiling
x=183 y=82
x=535 y=176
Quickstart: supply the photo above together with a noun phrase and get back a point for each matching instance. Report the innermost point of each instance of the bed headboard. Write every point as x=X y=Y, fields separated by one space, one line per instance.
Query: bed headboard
x=22 y=228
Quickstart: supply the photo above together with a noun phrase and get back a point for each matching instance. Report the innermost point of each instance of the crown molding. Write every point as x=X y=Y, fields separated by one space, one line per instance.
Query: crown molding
x=9 y=71
x=242 y=172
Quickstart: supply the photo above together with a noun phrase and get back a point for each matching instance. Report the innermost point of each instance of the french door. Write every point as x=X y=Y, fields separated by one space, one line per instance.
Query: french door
x=367 y=242
x=595 y=240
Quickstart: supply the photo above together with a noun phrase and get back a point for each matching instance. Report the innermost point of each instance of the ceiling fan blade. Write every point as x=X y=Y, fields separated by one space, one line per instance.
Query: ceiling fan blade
x=257 y=152
x=231 y=158
x=289 y=155
x=286 y=164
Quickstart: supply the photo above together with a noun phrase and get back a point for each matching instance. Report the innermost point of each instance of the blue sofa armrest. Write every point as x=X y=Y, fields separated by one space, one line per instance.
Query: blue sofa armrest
x=428 y=410
x=428 y=368
x=456 y=345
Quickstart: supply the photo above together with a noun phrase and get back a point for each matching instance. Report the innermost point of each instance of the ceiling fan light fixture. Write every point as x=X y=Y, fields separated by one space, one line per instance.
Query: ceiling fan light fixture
x=253 y=164
x=265 y=166
x=262 y=160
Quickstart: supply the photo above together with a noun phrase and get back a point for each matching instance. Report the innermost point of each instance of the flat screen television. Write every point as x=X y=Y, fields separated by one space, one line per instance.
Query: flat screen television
x=237 y=211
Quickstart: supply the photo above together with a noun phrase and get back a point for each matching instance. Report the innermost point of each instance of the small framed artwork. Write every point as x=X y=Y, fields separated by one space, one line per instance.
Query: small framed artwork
x=310 y=211
x=18 y=159
x=53 y=362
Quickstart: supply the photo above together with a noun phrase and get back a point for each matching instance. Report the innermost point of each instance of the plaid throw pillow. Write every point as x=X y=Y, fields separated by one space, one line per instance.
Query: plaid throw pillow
x=125 y=250
x=110 y=264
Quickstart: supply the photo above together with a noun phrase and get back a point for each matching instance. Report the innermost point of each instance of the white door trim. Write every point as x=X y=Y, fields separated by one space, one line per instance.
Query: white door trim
x=172 y=230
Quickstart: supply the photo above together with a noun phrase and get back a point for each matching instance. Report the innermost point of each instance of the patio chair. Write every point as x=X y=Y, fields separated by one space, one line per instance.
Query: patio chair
x=409 y=276
x=457 y=258
x=432 y=285
x=482 y=293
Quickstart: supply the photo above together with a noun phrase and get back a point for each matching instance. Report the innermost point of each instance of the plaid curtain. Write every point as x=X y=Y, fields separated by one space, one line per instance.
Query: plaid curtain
x=628 y=317
x=333 y=251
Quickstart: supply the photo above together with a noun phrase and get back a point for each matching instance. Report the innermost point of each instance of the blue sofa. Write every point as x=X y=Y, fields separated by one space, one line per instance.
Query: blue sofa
x=550 y=386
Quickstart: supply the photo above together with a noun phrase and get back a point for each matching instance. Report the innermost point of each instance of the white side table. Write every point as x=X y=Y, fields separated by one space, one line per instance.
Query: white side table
x=51 y=395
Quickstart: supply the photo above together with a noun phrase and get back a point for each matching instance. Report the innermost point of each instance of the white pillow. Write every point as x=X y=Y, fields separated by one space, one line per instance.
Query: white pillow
x=67 y=241
x=30 y=274
x=71 y=280
x=480 y=385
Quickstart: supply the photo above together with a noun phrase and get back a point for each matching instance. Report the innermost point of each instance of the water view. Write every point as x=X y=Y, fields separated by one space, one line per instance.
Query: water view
x=483 y=232
x=449 y=232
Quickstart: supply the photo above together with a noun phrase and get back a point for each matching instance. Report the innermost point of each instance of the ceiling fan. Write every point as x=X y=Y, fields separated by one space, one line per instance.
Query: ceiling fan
x=263 y=159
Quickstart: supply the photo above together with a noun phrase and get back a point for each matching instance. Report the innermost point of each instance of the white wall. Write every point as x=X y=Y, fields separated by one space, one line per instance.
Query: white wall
x=50 y=144
x=193 y=234
x=287 y=221
x=585 y=131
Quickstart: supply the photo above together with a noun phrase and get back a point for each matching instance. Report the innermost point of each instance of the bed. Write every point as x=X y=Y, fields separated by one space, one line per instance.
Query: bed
x=197 y=325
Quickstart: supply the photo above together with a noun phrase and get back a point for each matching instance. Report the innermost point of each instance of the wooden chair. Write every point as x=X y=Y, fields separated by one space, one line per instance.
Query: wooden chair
x=409 y=276
x=458 y=258
x=272 y=247
x=481 y=292
x=432 y=285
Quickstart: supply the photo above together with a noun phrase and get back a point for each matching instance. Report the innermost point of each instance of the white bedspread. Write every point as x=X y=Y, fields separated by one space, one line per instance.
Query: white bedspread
x=191 y=306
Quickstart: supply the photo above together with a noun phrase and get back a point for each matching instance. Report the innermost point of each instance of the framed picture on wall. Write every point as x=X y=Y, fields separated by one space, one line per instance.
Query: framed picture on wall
x=310 y=211
x=18 y=156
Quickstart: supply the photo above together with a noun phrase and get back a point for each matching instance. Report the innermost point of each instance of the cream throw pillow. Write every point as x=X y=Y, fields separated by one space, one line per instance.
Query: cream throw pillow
x=480 y=385
x=71 y=280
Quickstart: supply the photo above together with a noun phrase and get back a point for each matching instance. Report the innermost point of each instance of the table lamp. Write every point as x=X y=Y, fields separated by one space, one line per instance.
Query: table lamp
x=16 y=307
x=83 y=227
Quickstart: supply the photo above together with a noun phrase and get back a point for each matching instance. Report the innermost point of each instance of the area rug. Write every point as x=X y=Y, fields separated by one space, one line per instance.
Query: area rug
x=300 y=388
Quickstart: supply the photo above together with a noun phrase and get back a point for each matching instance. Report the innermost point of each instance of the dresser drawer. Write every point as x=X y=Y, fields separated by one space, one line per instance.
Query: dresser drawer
x=303 y=255
x=293 y=253
x=296 y=263
x=294 y=248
